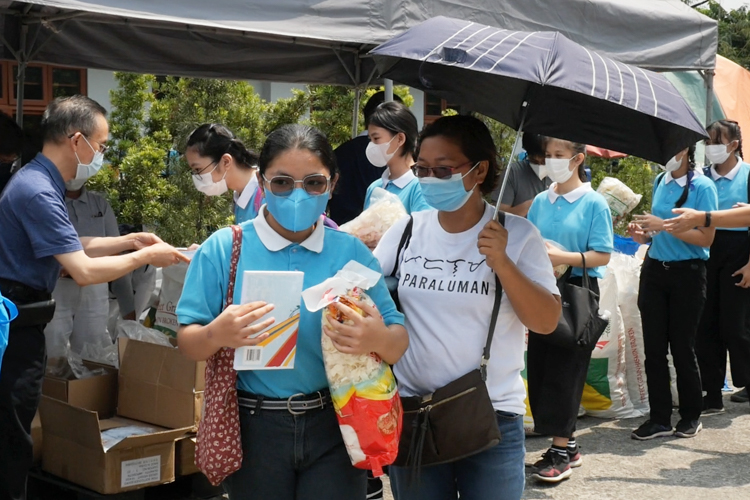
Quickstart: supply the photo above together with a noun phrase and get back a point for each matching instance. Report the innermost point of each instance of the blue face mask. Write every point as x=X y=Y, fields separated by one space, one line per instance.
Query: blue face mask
x=298 y=211
x=447 y=195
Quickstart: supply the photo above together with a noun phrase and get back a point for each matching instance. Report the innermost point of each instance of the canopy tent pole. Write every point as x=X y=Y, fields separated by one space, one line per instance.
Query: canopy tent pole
x=708 y=77
x=357 y=95
x=514 y=152
x=388 y=90
x=21 y=75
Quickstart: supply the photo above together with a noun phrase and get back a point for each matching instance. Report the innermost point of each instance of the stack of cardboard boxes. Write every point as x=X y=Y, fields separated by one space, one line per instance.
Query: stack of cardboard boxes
x=124 y=431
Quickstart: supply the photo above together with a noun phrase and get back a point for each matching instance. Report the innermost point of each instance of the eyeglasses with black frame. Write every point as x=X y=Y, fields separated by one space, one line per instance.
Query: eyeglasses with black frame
x=441 y=172
x=313 y=184
x=198 y=174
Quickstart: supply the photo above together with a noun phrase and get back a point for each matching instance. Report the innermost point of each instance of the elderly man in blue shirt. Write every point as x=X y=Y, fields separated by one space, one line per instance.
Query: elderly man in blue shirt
x=38 y=240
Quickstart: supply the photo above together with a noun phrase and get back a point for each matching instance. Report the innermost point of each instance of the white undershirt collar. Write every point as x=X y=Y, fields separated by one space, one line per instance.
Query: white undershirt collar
x=680 y=181
x=274 y=242
x=730 y=175
x=401 y=182
x=244 y=198
x=570 y=197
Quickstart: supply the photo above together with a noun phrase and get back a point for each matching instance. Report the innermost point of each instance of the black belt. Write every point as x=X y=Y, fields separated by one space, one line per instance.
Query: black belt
x=22 y=294
x=680 y=264
x=296 y=404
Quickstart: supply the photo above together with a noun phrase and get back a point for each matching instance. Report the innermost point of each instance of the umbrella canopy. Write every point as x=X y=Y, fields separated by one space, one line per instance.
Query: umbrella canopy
x=553 y=85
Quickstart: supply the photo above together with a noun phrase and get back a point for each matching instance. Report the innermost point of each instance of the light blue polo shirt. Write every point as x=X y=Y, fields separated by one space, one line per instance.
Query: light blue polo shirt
x=406 y=187
x=731 y=188
x=579 y=221
x=247 y=203
x=320 y=257
x=667 y=191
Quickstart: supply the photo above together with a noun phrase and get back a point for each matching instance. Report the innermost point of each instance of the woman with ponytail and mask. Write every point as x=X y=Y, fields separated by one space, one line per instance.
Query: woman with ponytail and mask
x=218 y=162
x=288 y=453
x=573 y=215
x=393 y=133
x=446 y=286
x=672 y=295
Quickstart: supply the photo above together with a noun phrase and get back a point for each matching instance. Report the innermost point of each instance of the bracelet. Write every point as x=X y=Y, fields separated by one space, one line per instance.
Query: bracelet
x=708 y=219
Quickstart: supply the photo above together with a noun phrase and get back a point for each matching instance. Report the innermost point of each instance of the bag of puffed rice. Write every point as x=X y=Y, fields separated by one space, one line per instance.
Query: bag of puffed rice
x=363 y=388
x=384 y=211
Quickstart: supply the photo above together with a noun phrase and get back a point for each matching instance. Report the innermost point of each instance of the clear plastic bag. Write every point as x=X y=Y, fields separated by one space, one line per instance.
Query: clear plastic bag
x=620 y=198
x=384 y=211
x=136 y=331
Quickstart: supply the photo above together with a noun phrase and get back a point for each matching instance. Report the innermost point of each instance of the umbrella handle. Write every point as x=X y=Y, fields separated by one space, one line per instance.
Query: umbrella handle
x=514 y=152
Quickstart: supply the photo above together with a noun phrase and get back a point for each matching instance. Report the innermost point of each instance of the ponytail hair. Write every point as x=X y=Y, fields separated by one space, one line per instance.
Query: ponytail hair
x=214 y=141
x=690 y=174
x=729 y=129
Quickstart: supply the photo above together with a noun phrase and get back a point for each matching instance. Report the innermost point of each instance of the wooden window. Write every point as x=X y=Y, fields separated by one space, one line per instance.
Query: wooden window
x=434 y=107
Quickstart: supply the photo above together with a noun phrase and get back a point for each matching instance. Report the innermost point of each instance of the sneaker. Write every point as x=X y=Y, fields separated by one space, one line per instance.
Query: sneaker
x=581 y=411
x=688 y=428
x=552 y=468
x=650 y=430
x=374 y=488
x=712 y=407
x=574 y=457
x=740 y=396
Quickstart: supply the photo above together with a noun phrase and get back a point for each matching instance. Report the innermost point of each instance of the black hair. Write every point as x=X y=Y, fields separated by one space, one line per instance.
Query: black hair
x=67 y=115
x=690 y=173
x=295 y=136
x=533 y=144
x=395 y=118
x=729 y=129
x=577 y=148
x=373 y=102
x=214 y=141
x=474 y=139
x=11 y=136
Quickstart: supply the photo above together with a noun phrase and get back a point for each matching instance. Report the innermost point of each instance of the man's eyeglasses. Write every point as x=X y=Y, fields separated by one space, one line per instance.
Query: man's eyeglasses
x=197 y=173
x=102 y=147
x=283 y=185
x=440 y=172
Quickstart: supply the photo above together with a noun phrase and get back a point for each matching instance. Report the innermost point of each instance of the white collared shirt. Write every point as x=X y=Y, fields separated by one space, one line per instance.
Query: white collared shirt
x=401 y=182
x=681 y=181
x=730 y=175
x=274 y=242
x=570 y=197
x=244 y=198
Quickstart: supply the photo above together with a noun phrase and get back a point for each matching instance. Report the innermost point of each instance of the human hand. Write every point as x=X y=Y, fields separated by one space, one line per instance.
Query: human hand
x=164 y=255
x=739 y=204
x=686 y=219
x=557 y=256
x=143 y=240
x=194 y=246
x=637 y=233
x=649 y=222
x=366 y=334
x=236 y=325
x=492 y=242
x=744 y=273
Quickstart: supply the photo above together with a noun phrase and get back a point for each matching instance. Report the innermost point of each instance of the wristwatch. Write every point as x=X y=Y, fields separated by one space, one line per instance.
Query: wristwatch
x=708 y=219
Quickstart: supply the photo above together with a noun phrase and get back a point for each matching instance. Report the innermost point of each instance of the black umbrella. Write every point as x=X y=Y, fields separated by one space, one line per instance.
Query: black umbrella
x=544 y=83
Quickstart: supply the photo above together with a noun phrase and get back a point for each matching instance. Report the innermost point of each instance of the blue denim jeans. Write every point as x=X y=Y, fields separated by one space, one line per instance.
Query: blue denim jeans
x=495 y=474
x=294 y=457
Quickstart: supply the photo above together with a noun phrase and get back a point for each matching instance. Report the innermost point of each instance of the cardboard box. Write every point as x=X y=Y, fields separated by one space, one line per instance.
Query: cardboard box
x=185 y=456
x=97 y=393
x=36 y=438
x=73 y=450
x=158 y=385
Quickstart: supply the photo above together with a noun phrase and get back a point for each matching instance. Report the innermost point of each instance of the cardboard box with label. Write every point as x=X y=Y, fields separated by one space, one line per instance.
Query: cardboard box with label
x=160 y=386
x=106 y=455
x=97 y=393
x=185 y=456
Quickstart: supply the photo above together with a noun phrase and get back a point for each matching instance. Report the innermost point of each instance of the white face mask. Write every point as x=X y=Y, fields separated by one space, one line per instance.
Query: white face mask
x=673 y=164
x=378 y=154
x=86 y=170
x=207 y=186
x=558 y=169
x=717 y=153
x=539 y=170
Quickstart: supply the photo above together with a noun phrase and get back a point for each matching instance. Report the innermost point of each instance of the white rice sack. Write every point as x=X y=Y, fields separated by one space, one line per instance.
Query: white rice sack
x=384 y=211
x=620 y=198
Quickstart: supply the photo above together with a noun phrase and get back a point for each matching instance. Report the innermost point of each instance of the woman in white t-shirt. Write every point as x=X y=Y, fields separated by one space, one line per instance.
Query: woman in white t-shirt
x=446 y=286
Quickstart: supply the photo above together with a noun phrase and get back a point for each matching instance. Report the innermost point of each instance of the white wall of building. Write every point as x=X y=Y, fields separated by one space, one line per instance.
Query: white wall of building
x=99 y=83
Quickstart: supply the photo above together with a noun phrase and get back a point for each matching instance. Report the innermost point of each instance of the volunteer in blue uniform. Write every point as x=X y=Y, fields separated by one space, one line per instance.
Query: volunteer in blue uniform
x=393 y=134
x=302 y=455
x=573 y=215
x=219 y=162
x=722 y=327
x=672 y=294
x=38 y=239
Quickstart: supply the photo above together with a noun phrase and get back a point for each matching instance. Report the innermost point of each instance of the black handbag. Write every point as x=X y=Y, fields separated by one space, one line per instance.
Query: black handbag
x=580 y=325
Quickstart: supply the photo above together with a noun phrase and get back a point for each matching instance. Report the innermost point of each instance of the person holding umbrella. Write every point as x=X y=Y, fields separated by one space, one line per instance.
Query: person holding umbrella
x=573 y=215
x=672 y=295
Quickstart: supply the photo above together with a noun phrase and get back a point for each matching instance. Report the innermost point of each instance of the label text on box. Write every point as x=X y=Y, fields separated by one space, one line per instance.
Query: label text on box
x=141 y=471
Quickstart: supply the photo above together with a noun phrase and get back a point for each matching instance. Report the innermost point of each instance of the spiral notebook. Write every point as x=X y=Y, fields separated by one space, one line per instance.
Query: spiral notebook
x=283 y=289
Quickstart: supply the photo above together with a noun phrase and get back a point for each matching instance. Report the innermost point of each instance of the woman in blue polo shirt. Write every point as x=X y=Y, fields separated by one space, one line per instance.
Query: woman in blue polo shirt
x=288 y=455
x=576 y=217
x=219 y=161
x=672 y=294
x=393 y=134
x=722 y=327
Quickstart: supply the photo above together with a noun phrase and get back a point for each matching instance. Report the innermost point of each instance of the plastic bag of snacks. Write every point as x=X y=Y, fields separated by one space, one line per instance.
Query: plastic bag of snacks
x=620 y=198
x=363 y=387
x=385 y=210
x=562 y=268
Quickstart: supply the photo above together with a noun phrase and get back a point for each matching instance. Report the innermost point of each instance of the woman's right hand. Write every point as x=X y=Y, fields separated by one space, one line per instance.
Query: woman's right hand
x=235 y=325
x=637 y=233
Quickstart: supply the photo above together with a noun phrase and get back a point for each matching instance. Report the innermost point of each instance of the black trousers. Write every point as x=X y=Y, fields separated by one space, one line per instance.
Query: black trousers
x=556 y=378
x=20 y=390
x=723 y=325
x=671 y=303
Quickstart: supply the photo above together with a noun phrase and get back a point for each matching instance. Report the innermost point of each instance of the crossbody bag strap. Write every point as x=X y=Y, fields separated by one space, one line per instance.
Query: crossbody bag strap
x=493 y=318
x=233 y=262
x=585 y=279
x=405 y=238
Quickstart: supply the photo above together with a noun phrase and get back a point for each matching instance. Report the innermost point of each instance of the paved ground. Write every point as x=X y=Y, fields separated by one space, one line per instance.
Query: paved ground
x=714 y=464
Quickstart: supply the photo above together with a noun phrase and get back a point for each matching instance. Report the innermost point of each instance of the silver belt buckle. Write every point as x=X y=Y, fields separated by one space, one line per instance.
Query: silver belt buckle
x=665 y=265
x=289 y=404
